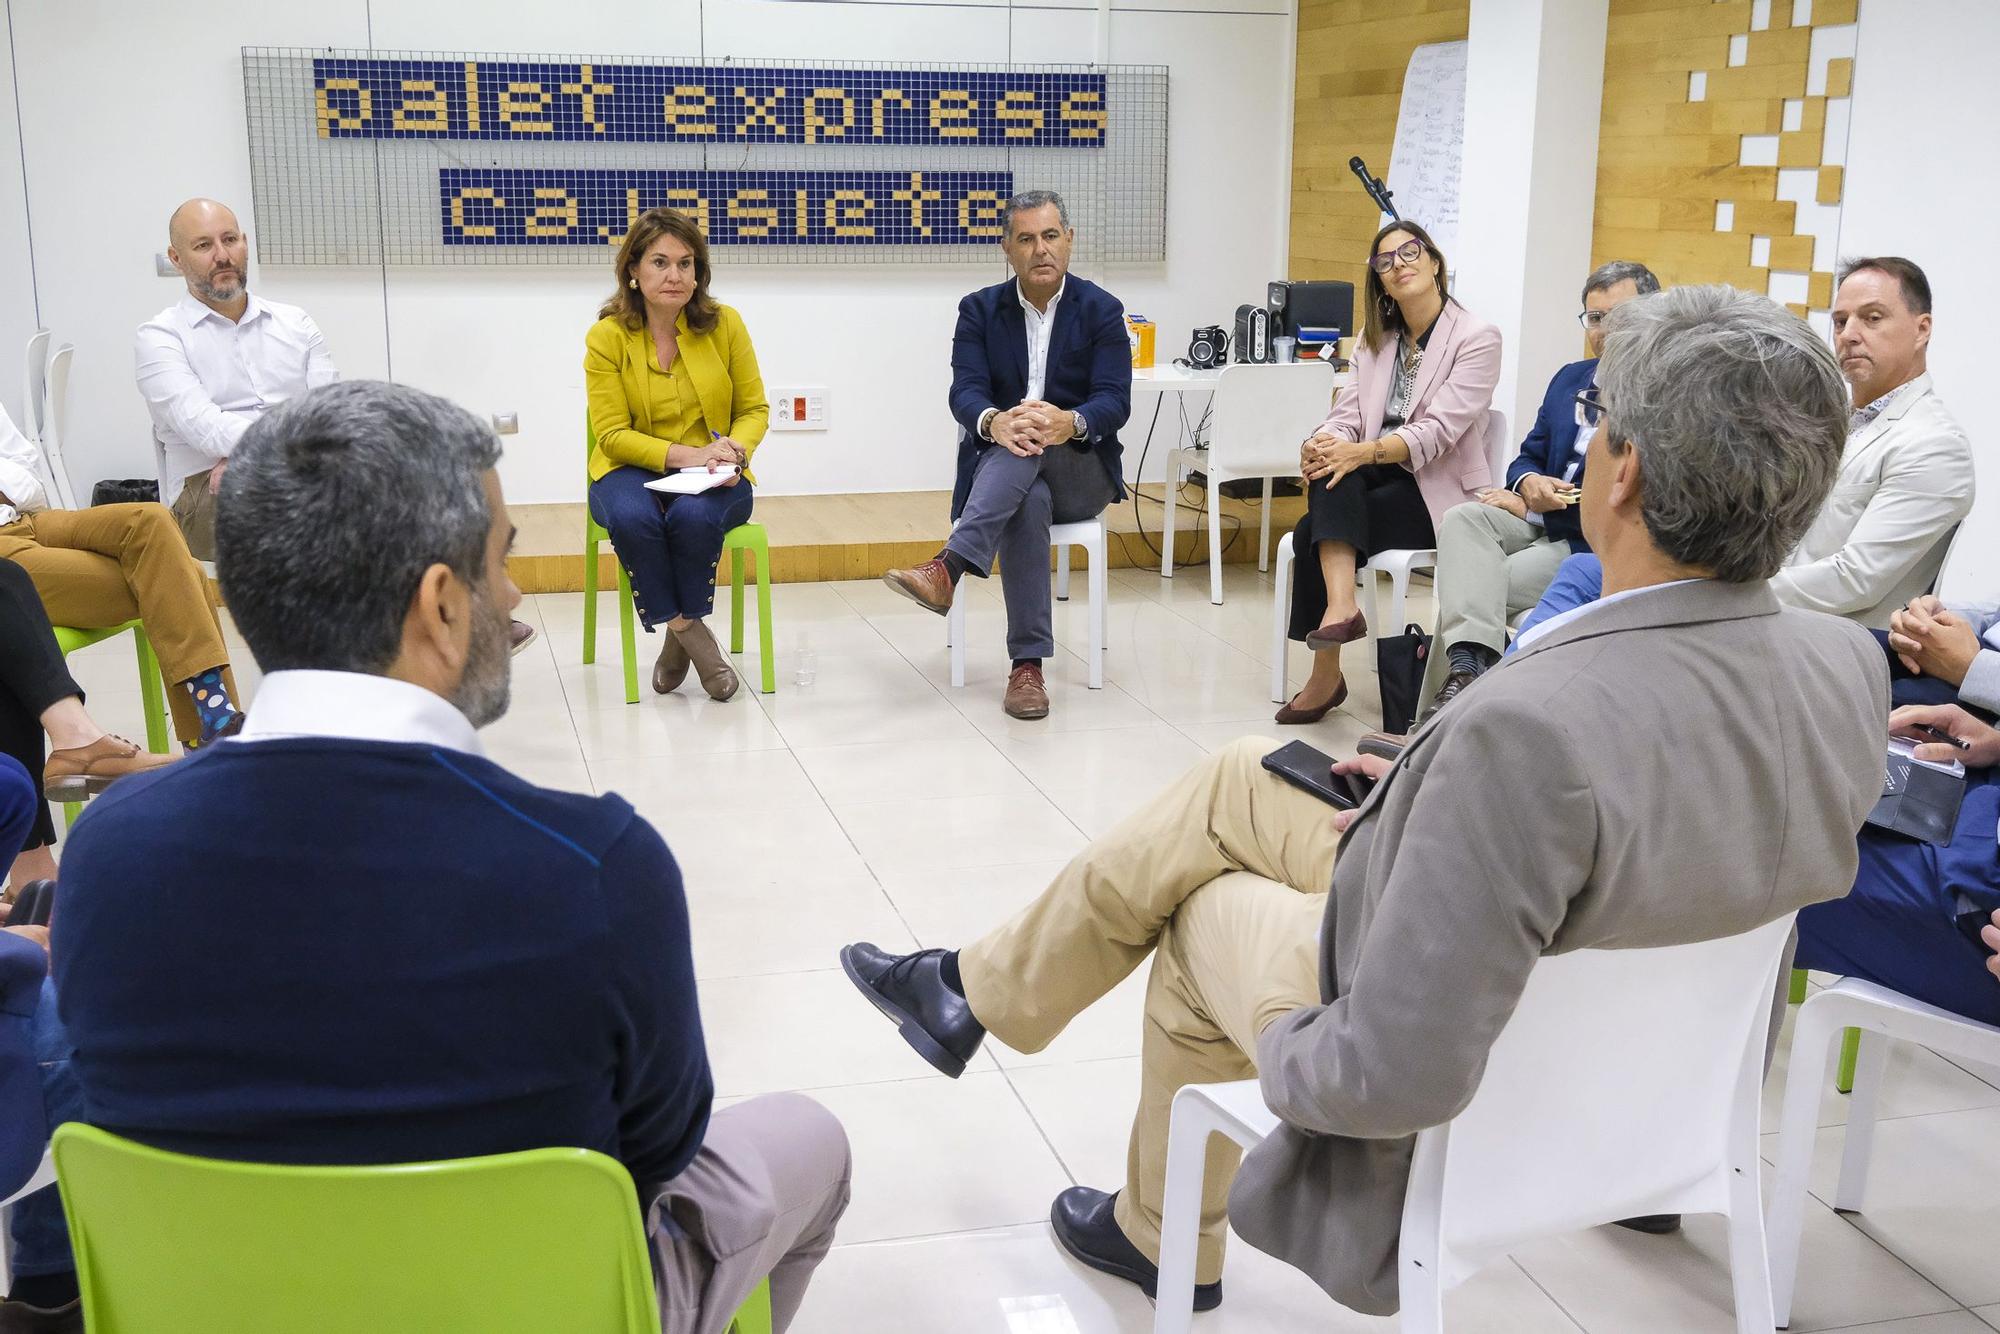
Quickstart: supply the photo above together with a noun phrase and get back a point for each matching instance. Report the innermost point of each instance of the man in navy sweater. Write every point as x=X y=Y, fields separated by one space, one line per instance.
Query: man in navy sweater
x=1041 y=380
x=402 y=951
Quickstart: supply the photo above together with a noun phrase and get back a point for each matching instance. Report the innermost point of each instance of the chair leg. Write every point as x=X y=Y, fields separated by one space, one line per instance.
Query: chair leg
x=1799 y=987
x=152 y=693
x=1191 y=1123
x=1062 y=572
x=1850 y=1044
x=1749 y=1260
x=1864 y=1073
x=1798 y=1125
x=1173 y=489
x=1281 y=596
x=1264 y=531
x=954 y=630
x=626 y=643
x=736 y=598
x=754 y=1316
x=1214 y=539
x=1399 y=592
x=768 y=659
x=1099 y=581
x=589 y=600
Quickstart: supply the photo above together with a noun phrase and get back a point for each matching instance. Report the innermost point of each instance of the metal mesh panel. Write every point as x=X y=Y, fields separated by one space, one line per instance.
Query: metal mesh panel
x=374 y=157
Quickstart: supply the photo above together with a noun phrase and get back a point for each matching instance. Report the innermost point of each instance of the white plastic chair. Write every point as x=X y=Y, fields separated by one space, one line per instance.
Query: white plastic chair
x=1062 y=536
x=1397 y=565
x=1262 y=413
x=55 y=426
x=1883 y=1016
x=34 y=387
x=1626 y=1083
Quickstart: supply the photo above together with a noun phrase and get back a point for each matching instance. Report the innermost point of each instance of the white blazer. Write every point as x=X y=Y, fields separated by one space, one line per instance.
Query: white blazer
x=1906 y=480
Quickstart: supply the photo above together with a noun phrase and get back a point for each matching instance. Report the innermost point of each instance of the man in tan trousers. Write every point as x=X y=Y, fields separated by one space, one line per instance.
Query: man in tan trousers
x=111 y=564
x=1700 y=760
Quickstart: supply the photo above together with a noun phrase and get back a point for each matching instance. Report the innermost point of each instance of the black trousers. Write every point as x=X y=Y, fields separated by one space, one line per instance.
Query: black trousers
x=32 y=677
x=1377 y=507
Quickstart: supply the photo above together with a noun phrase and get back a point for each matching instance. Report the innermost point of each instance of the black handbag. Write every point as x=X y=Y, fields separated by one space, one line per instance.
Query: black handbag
x=131 y=490
x=1400 y=661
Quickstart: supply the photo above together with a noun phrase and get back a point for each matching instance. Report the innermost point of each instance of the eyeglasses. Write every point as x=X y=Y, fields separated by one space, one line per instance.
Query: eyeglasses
x=1590 y=406
x=1592 y=319
x=1407 y=253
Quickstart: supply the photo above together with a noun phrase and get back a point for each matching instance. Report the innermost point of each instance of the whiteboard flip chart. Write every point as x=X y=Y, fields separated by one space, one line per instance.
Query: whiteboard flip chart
x=1430 y=142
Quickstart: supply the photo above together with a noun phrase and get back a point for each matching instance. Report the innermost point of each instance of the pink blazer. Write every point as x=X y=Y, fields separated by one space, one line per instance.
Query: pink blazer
x=1446 y=430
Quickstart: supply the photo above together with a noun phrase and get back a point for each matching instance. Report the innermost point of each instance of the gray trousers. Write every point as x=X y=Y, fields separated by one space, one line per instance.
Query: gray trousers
x=1007 y=514
x=1491 y=567
x=760 y=1199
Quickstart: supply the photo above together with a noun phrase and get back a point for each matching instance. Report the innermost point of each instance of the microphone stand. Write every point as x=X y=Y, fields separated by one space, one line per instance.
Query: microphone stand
x=1377 y=191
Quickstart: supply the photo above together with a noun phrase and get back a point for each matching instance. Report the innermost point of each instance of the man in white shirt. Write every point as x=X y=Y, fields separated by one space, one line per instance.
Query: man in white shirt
x=215 y=361
x=1906 y=478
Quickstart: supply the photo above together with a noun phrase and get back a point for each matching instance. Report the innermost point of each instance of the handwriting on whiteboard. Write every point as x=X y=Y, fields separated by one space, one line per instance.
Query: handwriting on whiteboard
x=1430 y=141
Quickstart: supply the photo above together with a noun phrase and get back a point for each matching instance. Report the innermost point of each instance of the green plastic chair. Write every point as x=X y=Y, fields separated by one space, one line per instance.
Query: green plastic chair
x=152 y=690
x=549 y=1239
x=1850 y=1041
x=743 y=537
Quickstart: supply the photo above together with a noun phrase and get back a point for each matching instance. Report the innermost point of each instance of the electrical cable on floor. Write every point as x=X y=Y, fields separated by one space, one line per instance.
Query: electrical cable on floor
x=1200 y=508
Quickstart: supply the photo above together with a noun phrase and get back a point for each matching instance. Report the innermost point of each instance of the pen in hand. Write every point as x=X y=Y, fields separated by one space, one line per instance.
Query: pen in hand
x=1940 y=735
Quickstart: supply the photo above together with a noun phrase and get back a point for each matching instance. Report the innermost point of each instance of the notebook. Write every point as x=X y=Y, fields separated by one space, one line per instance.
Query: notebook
x=1920 y=798
x=692 y=481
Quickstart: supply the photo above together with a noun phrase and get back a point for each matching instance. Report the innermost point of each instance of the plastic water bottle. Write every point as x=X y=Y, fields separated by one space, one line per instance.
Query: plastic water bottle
x=807 y=660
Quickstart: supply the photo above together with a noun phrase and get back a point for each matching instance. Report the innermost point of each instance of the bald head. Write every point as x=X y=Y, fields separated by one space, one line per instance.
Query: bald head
x=207 y=246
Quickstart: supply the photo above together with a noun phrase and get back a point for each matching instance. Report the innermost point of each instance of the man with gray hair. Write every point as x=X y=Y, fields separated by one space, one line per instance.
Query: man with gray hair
x=1701 y=758
x=1497 y=556
x=1041 y=381
x=403 y=952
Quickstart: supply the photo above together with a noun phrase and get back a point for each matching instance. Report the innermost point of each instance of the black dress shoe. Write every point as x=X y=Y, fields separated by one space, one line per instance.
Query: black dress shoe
x=22 y=1318
x=910 y=989
x=1656 y=1224
x=1083 y=1222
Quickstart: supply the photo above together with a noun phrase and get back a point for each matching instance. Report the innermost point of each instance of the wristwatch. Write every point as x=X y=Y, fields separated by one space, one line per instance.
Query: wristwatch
x=1079 y=428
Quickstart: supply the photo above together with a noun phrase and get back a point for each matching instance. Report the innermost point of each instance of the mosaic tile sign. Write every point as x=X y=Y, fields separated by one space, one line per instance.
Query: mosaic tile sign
x=441 y=158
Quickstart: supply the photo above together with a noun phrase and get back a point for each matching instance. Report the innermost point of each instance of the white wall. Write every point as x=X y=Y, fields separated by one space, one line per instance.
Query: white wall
x=17 y=298
x=510 y=339
x=1921 y=183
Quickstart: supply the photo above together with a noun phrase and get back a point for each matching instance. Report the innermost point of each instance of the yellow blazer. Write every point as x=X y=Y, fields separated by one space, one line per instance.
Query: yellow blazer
x=628 y=392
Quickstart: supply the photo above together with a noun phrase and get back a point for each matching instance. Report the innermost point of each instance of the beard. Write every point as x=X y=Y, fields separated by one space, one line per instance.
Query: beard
x=484 y=690
x=232 y=286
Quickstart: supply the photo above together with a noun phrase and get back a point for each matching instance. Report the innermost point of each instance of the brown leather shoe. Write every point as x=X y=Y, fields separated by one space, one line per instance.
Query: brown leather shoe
x=1027 y=697
x=671 y=667
x=929 y=586
x=1340 y=632
x=519 y=635
x=80 y=772
x=711 y=664
x=1292 y=714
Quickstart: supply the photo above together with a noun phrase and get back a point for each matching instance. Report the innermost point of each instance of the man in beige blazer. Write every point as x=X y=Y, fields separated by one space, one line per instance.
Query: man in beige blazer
x=1702 y=759
x=1906 y=478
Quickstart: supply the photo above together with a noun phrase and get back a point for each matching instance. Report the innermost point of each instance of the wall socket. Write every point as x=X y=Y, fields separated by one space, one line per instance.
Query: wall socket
x=799 y=408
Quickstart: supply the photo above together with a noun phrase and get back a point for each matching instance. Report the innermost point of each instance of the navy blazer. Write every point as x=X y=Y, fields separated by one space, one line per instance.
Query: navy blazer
x=1549 y=445
x=1089 y=370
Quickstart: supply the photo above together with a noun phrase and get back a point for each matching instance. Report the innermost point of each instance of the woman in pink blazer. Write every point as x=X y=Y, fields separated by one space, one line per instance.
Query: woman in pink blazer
x=1405 y=443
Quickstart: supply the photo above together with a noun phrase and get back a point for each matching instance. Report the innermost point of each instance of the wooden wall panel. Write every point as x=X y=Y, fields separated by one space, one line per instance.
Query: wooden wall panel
x=1351 y=58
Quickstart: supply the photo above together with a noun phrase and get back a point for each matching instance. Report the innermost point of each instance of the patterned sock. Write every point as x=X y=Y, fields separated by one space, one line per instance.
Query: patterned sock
x=211 y=701
x=1473 y=658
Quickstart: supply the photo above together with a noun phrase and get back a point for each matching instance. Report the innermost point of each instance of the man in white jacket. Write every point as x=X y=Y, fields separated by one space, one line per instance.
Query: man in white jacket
x=1906 y=476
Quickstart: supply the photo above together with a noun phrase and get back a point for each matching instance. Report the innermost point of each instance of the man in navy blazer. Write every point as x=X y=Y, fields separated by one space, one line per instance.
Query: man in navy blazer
x=1497 y=556
x=1041 y=382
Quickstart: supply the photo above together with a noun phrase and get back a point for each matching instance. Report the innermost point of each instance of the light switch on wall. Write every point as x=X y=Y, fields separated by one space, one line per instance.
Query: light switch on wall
x=506 y=423
x=164 y=267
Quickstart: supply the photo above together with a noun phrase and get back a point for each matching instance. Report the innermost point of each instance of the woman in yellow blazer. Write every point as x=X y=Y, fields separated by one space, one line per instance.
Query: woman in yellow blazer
x=673 y=384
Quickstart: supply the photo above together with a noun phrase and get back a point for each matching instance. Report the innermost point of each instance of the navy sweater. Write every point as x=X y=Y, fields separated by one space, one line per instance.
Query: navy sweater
x=329 y=951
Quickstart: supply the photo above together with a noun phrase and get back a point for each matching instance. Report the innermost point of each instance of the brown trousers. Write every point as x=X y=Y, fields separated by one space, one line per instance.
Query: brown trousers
x=111 y=564
x=194 y=510
x=1223 y=880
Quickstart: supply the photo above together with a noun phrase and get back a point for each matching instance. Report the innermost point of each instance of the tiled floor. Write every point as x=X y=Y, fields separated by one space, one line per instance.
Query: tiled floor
x=880 y=803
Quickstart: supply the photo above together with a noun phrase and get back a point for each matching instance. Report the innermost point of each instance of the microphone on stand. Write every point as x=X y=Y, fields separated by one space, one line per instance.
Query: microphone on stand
x=1377 y=191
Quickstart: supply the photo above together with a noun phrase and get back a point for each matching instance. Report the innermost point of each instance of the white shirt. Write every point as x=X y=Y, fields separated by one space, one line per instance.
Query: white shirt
x=1535 y=632
x=1040 y=328
x=206 y=379
x=354 y=706
x=21 y=489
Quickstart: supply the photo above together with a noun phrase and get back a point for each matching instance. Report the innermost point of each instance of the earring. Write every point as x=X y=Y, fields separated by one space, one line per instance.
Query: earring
x=632 y=283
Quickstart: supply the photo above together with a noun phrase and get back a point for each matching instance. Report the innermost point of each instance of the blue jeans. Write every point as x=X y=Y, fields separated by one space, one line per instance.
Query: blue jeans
x=41 y=1234
x=669 y=545
x=1897 y=928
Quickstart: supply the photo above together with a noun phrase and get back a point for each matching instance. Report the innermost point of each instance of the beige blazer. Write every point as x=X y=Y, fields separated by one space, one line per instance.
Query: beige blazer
x=1446 y=428
x=1700 y=761
x=1905 y=484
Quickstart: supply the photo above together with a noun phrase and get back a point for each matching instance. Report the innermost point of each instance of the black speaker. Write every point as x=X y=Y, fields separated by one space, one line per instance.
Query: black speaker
x=1253 y=334
x=1277 y=299
x=1207 y=348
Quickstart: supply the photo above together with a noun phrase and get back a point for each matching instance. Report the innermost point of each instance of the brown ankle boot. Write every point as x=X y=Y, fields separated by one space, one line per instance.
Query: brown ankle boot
x=671 y=667
x=718 y=678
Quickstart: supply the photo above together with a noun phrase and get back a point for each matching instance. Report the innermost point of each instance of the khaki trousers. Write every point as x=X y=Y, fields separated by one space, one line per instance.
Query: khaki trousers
x=110 y=564
x=194 y=510
x=1491 y=567
x=1231 y=952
